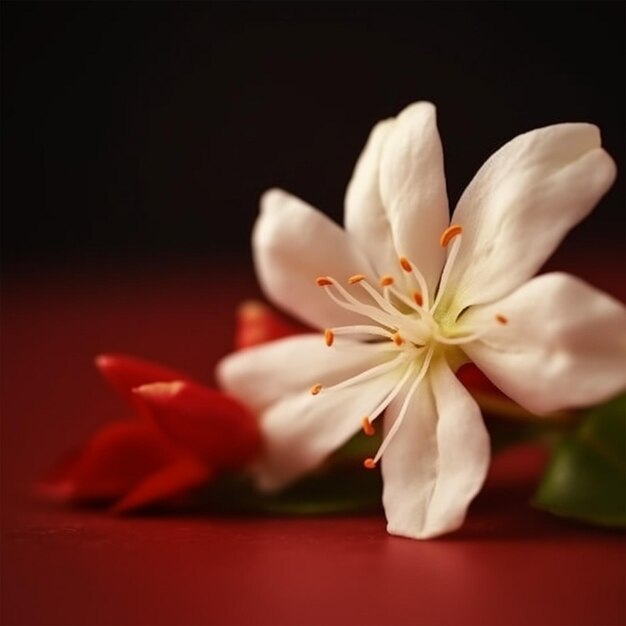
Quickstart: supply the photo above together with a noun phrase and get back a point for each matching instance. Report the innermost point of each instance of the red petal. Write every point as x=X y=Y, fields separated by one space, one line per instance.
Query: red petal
x=258 y=323
x=125 y=373
x=111 y=463
x=175 y=479
x=206 y=421
x=474 y=379
x=59 y=483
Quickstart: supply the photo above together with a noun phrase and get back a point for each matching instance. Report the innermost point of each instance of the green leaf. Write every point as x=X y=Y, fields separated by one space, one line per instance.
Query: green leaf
x=586 y=477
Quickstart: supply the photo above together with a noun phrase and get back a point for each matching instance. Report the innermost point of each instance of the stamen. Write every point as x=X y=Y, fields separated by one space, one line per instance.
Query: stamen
x=398 y=319
x=315 y=389
x=449 y=234
x=373 y=372
x=388 y=316
x=386 y=280
x=323 y=281
x=406 y=264
x=419 y=300
x=409 y=267
x=350 y=303
x=329 y=337
x=361 y=329
x=382 y=405
x=447 y=270
x=405 y=406
x=502 y=319
x=384 y=304
x=357 y=278
x=397 y=339
x=368 y=429
x=412 y=304
x=369 y=463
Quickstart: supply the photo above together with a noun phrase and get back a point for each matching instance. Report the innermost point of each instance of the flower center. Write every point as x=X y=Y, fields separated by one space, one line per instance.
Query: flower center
x=405 y=328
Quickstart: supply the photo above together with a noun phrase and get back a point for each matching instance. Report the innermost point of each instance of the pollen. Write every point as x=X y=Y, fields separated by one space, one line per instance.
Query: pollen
x=449 y=234
x=418 y=298
x=368 y=429
x=501 y=319
x=397 y=339
x=357 y=278
x=315 y=389
x=329 y=337
x=323 y=281
x=386 y=280
x=369 y=463
x=405 y=264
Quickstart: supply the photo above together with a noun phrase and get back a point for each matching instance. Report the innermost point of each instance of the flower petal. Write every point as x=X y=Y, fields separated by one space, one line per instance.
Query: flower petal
x=413 y=188
x=262 y=375
x=302 y=430
x=175 y=480
x=438 y=460
x=111 y=463
x=207 y=422
x=293 y=244
x=365 y=217
x=564 y=344
x=520 y=205
x=124 y=373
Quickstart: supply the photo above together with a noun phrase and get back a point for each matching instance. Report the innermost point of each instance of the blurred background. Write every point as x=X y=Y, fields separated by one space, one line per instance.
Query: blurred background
x=145 y=132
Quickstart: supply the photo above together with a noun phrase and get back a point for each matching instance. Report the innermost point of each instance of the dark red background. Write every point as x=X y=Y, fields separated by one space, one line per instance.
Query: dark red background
x=510 y=564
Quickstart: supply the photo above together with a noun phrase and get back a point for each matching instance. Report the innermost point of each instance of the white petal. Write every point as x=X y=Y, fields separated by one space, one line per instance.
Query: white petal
x=293 y=244
x=438 y=460
x=261 y=375
x=302 y=430
x=413 y=188
x=365 y=217
x=521 y=204
x=564 y=344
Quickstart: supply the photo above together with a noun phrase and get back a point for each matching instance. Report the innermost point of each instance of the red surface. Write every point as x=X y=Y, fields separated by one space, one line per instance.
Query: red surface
x=509 y=565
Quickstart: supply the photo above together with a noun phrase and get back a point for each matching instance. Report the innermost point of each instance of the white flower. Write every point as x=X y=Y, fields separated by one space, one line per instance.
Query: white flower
x=406 y=299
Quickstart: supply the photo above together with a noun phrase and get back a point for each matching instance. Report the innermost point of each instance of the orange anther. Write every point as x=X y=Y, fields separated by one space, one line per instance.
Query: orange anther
x=369 y=463
x=502 y=319
x=417 y=296
x=357 y=278
x=329 y=337
x=315 y=389
x=368 y=429
x=449 y=234
x=397 y=339
x=323 y=281
x=406 y=264
x=386 y=280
